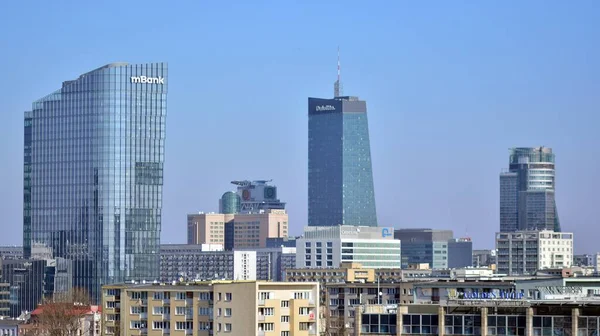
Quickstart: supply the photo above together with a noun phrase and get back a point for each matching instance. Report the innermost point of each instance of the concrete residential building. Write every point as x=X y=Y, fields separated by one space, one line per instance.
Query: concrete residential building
x=527 y=191
x=242 y=230
x=340 y=175
x=239 y=308
x=525 y=252
x=197 y=262
x=424 y=246
x=93 y=173
x=329 y=246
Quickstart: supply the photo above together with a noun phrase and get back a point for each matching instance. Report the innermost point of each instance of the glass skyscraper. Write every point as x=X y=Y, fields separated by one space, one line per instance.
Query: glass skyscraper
x=93 y=173
x=340 y=177
x=527 y=191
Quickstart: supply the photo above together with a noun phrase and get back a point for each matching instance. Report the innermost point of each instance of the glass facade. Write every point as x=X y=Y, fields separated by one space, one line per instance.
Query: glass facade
x=527 y=191
x=340 y=177
x=230 y=203
x=93 y=173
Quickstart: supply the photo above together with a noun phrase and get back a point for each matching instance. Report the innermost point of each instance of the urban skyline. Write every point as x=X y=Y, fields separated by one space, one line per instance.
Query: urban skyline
x=435 y=106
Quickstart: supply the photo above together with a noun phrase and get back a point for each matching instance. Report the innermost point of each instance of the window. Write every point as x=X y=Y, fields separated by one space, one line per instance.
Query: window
x=136 y=310
x=227 y=326
x=161 y=325
x=136 y=324
x=303 y=311
x=227 y=296
x=219 y=327
x=266 y=326
x=219 y=311
x=267 y=311
x=301 y=295
x=205 y=311
x=219 y=296
x=285 y=333
x=285 y=304
x=180 y=296
x=112 y=292
x=304 y=326
x=180 y=310
x=318 y=244
x=285 y=319
x=329 y=244
x=307 y=244
x=227 y=311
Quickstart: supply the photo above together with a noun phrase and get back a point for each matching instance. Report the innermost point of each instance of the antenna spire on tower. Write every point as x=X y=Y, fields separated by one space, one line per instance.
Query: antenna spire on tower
x=337 y=86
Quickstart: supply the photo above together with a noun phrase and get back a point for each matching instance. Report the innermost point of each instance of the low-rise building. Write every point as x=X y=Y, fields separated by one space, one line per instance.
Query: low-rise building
x=526 y=252
x=232 y=308
x=199 y=262
x=328 y=247
x=480 y=317
x=10 y=327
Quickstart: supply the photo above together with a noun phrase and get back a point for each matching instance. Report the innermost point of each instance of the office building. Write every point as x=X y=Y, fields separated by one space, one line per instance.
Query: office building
x=340 y=176
x=238 y=308
x=282 y=242
x=424 y=246
x=93 y=163
x=460 y=253
x=11 y=252
x=207 y=228
x=238 y=231
x=526 y=252
x=585 y=260
x=255 y=197
x=527 y=191
x=480 y=317
x=32 y=280
x=483 y=258
x=329 y=246
x=204 y=262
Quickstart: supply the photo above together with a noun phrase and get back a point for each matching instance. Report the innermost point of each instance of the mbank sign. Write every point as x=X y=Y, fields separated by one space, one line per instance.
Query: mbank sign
x=148 y=80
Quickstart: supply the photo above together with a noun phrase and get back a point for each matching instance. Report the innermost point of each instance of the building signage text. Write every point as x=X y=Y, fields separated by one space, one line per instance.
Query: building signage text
x=479 y=295
x=325 y=108
x=147 y=80
x=560 y=290
x=386 y=233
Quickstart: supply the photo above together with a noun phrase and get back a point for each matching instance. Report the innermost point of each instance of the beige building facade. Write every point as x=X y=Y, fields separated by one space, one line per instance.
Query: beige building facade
x=249 y=230
x=232 y=308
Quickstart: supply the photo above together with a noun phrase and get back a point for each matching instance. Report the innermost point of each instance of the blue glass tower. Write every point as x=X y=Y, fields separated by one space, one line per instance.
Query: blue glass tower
x=340 y=177
x=93 y=174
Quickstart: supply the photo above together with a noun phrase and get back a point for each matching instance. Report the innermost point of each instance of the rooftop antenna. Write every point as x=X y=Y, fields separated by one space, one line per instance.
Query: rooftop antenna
x=337 y=86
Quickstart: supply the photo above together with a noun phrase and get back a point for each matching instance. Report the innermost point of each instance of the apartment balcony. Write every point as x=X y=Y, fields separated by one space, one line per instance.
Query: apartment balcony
x=261 y=317
x=189 y=302
x=261 y=302
x=166 y=317
x=260 y=333
x=312 y=331
x=166 y=301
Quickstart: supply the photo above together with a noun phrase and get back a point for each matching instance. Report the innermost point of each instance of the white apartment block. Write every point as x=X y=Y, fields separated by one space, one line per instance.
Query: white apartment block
x=328 y=247
x=525 y=252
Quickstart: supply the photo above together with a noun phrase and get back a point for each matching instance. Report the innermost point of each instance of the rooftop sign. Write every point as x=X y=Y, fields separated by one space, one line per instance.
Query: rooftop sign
x=147 y=80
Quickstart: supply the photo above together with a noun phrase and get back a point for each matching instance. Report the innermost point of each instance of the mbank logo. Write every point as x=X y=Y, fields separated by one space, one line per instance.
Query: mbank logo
x=325 y=108
x=148 y=80
x=386 y=233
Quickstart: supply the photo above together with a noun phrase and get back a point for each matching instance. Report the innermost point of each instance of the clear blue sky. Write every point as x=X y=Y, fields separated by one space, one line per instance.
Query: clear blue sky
x=450 y=86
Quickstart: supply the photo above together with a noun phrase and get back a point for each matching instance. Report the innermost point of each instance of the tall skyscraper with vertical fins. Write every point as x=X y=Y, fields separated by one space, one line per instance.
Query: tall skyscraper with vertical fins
x=93 y=155
x=527 y=191
x=340 y=176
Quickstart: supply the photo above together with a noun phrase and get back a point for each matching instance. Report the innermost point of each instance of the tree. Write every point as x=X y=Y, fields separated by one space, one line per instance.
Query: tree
x=63 y=314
